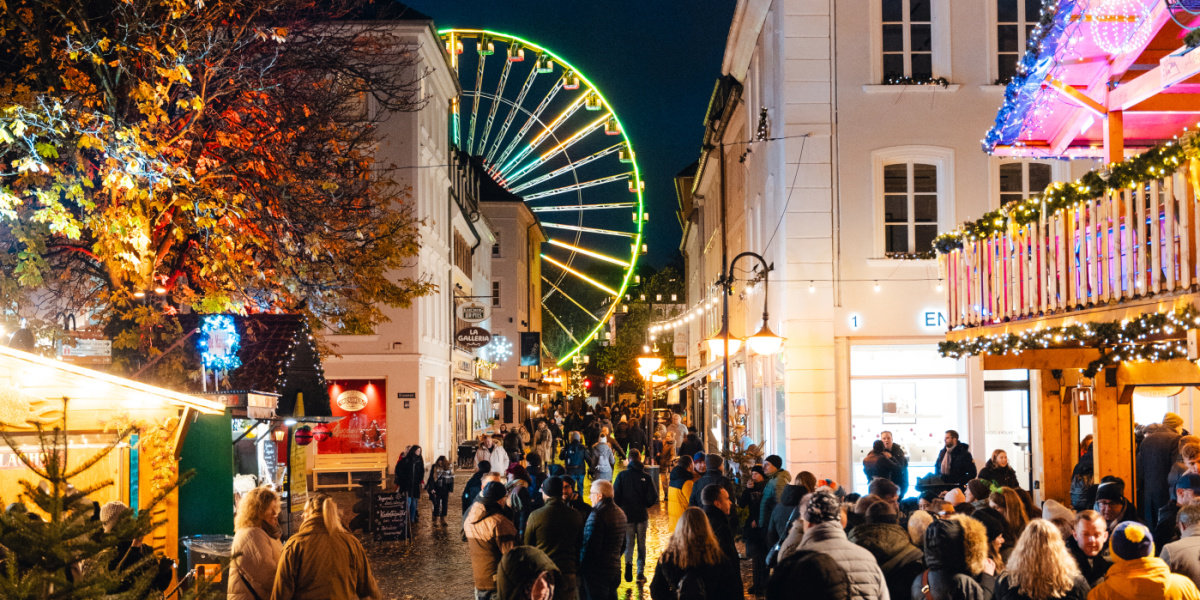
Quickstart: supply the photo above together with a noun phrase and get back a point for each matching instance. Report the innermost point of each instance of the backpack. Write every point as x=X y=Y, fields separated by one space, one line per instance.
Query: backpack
x=575 y=456
x=691 y=587
x=1079 y=491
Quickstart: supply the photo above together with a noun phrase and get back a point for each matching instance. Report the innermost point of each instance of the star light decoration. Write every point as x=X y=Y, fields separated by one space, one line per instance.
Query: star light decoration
x=499 y=349
x=1129 y=340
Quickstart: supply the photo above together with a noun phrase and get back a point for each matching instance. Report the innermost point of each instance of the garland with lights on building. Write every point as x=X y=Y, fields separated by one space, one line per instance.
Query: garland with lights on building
x=905 y=80
x=1130 y=340
x=1061 y=196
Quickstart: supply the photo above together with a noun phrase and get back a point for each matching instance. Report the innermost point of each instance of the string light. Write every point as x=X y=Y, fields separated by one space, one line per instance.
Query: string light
x=1120 y=26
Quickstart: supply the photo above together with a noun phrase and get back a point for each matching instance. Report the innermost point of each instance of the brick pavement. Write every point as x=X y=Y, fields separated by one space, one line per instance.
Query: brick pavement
x=436 y=564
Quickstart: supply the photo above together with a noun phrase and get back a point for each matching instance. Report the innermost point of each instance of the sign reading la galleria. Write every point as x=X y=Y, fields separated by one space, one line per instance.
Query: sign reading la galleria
x=473 y=337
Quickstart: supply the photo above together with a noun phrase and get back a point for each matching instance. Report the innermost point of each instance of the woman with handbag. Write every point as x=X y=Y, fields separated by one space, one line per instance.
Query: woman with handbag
x=439 y=485
x=256 y=546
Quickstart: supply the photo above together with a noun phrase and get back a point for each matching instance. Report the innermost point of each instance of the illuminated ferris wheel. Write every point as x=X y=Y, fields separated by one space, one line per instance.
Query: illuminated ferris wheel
x=545 y=133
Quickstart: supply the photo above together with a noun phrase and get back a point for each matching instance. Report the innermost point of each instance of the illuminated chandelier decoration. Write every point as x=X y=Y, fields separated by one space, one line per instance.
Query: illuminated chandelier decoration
x=575 y=386
x=499 y=350
x=1119 y=26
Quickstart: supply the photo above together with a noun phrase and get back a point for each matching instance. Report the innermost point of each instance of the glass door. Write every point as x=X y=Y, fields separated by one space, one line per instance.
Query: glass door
x=1006 y=422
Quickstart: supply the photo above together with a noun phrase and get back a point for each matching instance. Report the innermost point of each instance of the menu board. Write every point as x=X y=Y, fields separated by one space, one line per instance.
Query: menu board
x=391 y=517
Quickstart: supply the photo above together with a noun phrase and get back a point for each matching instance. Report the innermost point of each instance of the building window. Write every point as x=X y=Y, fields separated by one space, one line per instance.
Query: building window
x=907 y=39
x=462 y=254
x=1015 y=20
x=496 y=246
x=1020 y=180
x=495 y=293
x=910 y=207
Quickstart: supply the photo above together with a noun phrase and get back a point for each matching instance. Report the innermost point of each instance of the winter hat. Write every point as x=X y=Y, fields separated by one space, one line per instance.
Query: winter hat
x=758 y=469
x=110 y=513
x=980 y=490
x=1173 y=421
x=698 y=458
x=1113 y=491
x=822 y=506
x=993 y=522
x=553 y=487
x=713 y=462
x=1188 y=481
x=1131 y=540
x=484 y=466
x=1053 y=509
x=775 y=460
x=494 y=491
x=955 y=497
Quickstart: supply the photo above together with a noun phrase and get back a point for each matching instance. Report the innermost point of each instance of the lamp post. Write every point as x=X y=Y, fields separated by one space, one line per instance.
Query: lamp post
x=648 y=363
x=763 y=342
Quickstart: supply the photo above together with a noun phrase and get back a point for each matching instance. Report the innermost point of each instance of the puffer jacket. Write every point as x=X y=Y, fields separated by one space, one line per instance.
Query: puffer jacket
x=782 y=514
x=896 y=555
x=257 y=560
x=678 y=491
x=318 y=564
x=1143 y=578
x=1003 y=476
x=635 y=492
x=772 y=490
x=866 y=579
x=488 y=538
x=955 y=551
x=603 y=542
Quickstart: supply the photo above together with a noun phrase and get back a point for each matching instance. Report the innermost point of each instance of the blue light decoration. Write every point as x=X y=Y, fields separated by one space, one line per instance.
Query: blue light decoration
x=1020 y=98
x=219 y=343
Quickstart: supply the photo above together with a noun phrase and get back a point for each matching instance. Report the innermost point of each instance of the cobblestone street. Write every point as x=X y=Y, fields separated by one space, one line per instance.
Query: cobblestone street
x=436 y=565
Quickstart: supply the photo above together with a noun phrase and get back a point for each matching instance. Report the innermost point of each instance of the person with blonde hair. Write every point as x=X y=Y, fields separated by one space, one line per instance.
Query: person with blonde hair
x=322 y=561
x=1041 y=568
x=256 y=546
x=918 y=522
x=691 y=561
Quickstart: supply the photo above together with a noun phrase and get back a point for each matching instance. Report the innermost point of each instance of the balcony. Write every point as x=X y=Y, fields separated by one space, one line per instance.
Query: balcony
x=1111 y=257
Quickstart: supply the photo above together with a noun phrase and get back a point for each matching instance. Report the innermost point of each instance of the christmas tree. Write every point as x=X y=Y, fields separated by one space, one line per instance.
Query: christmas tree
x=52 y=543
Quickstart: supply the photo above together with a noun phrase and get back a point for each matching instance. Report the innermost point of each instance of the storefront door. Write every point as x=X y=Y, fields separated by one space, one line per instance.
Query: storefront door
x=1006 y=406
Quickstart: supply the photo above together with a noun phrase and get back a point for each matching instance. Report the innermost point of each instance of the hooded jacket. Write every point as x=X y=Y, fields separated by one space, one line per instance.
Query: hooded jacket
x=321 y=565
x=1143 y=578
x=635 y=492
x=783 y=513
x=519 y=568
x=955 y=551
x=772 y=491
x=896 y=555
x=603 y=460
x=712 y=477
x=866 y=579
x=410 y=473
x=557 y=530
x=489 y=537
x=962 y=465
x=679 y=490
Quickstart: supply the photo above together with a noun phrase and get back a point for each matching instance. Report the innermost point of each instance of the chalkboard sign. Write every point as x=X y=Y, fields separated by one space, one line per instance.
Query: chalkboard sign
x=391 y=517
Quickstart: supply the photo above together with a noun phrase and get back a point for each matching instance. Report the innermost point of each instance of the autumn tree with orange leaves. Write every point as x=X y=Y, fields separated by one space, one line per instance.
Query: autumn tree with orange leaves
x=217 y=155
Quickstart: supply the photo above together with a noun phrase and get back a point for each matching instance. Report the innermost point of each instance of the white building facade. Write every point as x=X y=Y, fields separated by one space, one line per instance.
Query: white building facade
x=850 y=136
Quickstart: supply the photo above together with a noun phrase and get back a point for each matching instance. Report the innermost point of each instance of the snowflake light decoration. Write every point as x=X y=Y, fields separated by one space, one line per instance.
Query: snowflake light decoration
x=499 y=350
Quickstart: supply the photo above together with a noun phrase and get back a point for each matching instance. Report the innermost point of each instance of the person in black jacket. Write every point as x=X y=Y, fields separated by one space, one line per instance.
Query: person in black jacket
x=717 y=507
x=410 y=478
x=998 y=471
x=785 y=512
x=690 y=445
x=954 y=463
x=634 y=491
x=714 y=474
x=956 y=562
x=1082 y=477
x=474 y=484
x=816 y=573
x=1155 y=456
x=879 y=464
x=603 y=544
x=889 y=543
x=1087 y=545
x=754 y=529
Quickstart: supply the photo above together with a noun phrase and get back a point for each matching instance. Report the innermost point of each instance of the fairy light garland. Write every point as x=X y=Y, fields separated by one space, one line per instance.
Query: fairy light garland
x=1130 y=340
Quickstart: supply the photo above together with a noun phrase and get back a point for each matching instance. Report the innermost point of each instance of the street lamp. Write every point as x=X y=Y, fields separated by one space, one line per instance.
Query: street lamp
x=764 y=342
x=648 y=363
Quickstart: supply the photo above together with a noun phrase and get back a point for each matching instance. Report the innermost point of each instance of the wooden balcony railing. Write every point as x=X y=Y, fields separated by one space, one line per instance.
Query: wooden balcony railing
x=1126 y=244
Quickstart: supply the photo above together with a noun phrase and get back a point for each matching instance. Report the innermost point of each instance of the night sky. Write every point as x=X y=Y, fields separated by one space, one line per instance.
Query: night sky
x=655 y=60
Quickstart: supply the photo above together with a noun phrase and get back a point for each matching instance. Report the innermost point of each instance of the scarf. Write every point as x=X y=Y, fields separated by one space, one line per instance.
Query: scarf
x=946 y=461
x=271 y=528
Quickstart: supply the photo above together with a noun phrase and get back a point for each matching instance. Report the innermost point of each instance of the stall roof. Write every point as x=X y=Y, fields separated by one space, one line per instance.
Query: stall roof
x=42 y=377
x=1068 y=83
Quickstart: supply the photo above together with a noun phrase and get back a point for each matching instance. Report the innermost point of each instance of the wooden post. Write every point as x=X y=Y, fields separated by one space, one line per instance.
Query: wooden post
x=1113 y=424
x=1114 y=137
x=1058 y=458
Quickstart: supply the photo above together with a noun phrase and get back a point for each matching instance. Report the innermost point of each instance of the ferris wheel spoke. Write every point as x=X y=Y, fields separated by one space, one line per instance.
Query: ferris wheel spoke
x=586 y=252
x=588 y=229
x=535 y=117
x=560 y=324
x=487 y=127
x=569 y=167
x=578 y=186
x=547 y=132
x=578 y=207
x=475 y=103
x=580 y=275
x=559 y=149
x=568 y=297
x=512 y=112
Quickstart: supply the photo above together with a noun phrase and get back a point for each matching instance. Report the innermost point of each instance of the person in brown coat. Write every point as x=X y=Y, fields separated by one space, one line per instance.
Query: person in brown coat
x=490 y=534
x=322 y=561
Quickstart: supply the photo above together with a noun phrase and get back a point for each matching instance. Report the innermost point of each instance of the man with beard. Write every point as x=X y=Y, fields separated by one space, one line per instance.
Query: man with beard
x=954 y=463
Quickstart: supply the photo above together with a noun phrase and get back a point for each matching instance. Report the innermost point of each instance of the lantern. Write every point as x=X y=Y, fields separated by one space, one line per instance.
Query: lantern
x=321 y=433
x=303 y=436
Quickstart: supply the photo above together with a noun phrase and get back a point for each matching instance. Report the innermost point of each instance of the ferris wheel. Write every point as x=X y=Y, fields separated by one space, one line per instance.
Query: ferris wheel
x=544 y=132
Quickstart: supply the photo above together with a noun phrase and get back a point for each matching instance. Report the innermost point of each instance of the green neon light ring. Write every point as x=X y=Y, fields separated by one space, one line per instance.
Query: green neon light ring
x=637 y=176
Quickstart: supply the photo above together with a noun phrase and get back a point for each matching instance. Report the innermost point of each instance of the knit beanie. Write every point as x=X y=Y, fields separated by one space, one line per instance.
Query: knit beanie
x=1131 y=540
x=111 y=512
x=553 y=487
x=1113 y=491
x=979 y=488
x=1188 y=481
x=955 y=497
x=1053 y=509
x=822 y=506
x=758 y=469
x=698 y=458
x=775 y=460
x=713 y=462
x=1173 y=421
x=993 y=522
x=493 y=491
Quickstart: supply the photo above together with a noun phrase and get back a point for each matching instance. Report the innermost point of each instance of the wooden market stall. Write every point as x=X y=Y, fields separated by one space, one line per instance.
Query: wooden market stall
x=1094 y=284
x=98 y=405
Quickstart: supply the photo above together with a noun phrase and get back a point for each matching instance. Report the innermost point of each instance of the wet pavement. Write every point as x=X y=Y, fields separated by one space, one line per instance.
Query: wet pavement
x=435 y=565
